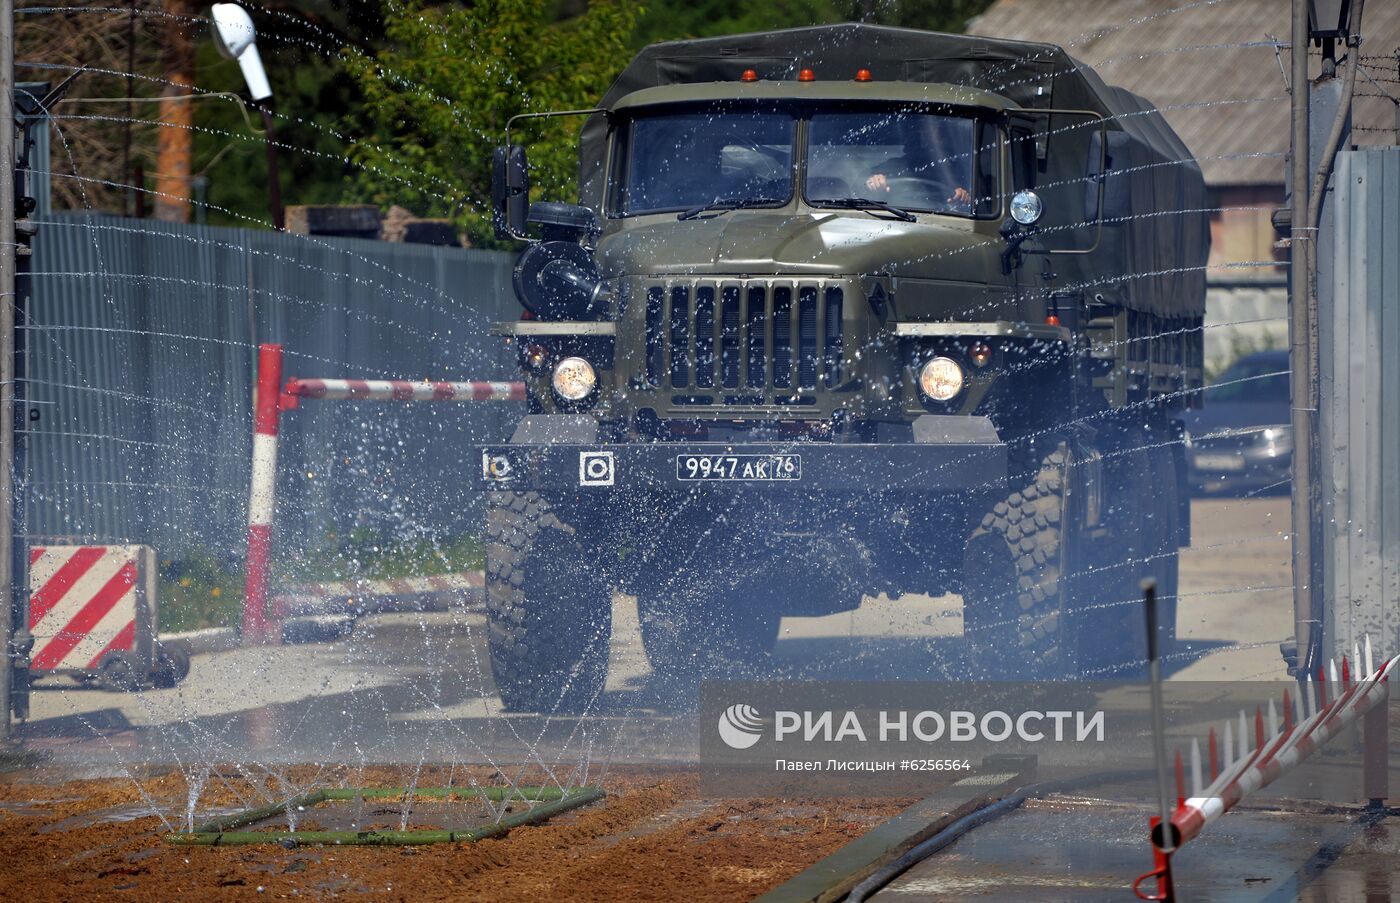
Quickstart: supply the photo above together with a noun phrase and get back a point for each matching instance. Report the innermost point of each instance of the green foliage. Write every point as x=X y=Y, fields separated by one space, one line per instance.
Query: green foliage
x=402 y=103
x=301 y=46
x=436 y=99
x=374 y=555
x=668 y=20
x=199 y=591
x=931 y=15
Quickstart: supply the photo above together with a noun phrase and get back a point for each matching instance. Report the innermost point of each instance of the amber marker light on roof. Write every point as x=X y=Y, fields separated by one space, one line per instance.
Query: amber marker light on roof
x=806 y=75
x=862 y=75
x=749 y=75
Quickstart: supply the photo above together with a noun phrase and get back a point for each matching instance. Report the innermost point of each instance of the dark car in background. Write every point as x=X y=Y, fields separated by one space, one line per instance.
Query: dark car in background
x=1242 y=438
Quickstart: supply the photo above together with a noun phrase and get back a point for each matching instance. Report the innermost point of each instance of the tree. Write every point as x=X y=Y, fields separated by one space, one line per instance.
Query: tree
x=668 y=20
x=436 y=99
x=303 y=44
x=102 y=134
x=176 y=137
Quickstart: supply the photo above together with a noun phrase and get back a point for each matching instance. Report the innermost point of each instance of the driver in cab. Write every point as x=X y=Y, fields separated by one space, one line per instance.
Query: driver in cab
x=928 y=158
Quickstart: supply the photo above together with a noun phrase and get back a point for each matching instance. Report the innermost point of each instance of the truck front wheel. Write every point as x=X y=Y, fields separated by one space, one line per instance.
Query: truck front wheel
x=1018 y=568
x=548 y=606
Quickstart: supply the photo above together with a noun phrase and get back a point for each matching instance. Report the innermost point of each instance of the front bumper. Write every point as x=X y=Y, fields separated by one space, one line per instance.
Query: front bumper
x=952 y=463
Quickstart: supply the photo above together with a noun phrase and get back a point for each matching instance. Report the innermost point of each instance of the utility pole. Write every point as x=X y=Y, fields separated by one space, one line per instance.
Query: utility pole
x=8 y=244
x=130 y=205
x=274 y=180
x=1299 y=257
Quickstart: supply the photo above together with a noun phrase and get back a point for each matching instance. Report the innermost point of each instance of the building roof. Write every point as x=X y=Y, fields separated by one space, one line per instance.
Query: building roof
x=1210 y=66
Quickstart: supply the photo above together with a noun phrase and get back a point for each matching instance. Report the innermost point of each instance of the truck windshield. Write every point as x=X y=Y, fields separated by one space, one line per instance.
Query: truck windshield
x=912 y=160
x=680 y=161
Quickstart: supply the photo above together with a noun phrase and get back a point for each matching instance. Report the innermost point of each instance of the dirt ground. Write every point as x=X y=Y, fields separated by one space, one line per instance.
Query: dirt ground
x=651 y=839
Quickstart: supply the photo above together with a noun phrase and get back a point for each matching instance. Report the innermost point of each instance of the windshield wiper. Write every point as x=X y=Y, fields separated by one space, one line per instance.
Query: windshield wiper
x=868 y=204
x=719 y=205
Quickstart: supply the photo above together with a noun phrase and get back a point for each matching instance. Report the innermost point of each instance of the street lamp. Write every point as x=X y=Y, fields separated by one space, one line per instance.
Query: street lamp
x=1329 y=19
x=236 y=38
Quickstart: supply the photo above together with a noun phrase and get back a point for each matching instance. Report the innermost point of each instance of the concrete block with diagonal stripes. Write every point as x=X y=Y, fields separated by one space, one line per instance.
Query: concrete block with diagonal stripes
x=89 y=604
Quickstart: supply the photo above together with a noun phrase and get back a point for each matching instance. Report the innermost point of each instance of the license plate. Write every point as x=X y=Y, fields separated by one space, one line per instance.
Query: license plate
x=1219 y=462
x=739 y=468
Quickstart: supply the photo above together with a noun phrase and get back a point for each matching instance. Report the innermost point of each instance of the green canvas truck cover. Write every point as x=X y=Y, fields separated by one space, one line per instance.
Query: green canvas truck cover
x=1155 y=241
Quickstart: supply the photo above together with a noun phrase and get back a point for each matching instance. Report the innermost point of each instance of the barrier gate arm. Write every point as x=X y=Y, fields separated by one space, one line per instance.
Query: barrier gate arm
x=272 y=399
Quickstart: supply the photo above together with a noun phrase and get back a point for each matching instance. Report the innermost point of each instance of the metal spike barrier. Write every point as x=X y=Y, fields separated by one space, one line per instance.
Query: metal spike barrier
x=1308 y=723
x=1284 y=749
x=1305 y=729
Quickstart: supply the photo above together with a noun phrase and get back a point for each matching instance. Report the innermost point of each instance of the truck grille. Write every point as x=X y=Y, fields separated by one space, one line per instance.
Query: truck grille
x=747 y=342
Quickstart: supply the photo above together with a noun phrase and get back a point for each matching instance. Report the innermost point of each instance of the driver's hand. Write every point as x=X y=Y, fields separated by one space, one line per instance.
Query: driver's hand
x=960 y=196
x=877 y=182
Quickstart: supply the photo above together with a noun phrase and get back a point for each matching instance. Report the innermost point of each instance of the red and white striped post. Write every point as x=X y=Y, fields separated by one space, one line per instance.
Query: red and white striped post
x=262 y=496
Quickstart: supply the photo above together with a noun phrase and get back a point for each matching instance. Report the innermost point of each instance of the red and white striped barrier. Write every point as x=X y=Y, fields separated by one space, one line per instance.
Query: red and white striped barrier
x=1241 y=768
x=272 y=399
x=372 y=596
x=1306 y=727
x=87 y=603
x=404 y=390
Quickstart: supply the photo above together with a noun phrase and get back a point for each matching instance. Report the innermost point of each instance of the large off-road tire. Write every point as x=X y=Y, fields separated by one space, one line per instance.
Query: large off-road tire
x=549 y=607
x=1018 y=574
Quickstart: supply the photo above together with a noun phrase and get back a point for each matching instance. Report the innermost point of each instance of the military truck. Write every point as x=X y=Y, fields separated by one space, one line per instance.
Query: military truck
x=844 y=311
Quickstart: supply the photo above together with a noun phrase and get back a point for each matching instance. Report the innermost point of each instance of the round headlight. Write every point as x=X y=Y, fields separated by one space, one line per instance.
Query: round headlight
x=1026 y=207
x=941 y=379
x=574 y=379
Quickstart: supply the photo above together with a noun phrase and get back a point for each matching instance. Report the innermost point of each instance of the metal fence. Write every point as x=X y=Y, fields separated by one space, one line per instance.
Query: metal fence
x=143 y=338
x=1359 y=334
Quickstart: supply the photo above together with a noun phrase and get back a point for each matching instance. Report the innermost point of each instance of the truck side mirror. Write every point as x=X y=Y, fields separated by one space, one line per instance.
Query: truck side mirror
x=510 y=191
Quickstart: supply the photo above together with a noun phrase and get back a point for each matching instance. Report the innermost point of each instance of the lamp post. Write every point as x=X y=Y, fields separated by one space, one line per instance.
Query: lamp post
x=1325 y=22
x=8 y=625
x=236 y=39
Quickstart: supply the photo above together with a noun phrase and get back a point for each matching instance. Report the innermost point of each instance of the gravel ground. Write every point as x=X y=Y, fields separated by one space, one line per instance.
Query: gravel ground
x=651 y=839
